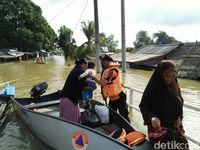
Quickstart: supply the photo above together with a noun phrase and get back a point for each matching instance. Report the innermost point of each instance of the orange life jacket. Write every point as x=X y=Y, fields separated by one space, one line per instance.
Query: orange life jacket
x=132 y=139
x=135 y=138
x=114 y=87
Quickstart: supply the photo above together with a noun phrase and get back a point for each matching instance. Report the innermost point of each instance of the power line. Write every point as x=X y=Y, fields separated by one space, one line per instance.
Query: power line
x=61 y=11
x=81 y=15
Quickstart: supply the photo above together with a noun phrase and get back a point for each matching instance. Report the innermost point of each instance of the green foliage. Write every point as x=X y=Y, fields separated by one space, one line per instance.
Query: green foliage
x=102 y=39
x=142 y=39
x=130 y=49
x=81 y=51
x=108 y=42
x=162 y=38
x=89 y=31
x=111 y=43
x=89 y=46
x=66 y=42
x=22 y=26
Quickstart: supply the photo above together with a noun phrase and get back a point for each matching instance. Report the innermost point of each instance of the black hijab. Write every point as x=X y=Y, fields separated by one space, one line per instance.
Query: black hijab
x=161 y=100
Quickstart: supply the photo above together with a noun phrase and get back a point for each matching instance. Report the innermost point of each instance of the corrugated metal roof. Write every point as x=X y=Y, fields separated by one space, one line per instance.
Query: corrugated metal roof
x=134 y=57
x=190 y=68
x=157 y=49
x=187 y=56
x=147 y=52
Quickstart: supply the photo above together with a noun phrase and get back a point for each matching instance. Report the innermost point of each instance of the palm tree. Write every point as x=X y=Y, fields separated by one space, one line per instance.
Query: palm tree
x=89 y=31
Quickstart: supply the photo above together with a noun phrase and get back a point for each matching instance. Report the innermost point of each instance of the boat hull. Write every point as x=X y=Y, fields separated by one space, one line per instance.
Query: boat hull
x=61 y=134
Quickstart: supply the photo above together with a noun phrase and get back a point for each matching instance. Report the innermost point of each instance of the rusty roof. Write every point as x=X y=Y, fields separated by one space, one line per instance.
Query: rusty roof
x=146 y=52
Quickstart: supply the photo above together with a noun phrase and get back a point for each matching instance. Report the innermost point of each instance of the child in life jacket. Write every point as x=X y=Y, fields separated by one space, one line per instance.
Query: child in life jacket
x=87 y=95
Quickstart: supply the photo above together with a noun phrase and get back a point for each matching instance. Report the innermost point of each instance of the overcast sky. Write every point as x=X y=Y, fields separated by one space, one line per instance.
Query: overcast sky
x=178 y=18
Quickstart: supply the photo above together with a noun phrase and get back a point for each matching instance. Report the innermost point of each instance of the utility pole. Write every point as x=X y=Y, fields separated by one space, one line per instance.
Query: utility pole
x=96 y=21
x=123 y=36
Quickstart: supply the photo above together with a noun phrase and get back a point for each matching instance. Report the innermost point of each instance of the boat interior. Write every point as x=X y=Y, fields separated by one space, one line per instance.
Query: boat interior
x=50 y=105
x=115 y=121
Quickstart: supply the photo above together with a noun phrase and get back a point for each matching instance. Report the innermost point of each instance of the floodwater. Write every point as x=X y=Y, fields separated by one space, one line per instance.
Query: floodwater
x=15 y=136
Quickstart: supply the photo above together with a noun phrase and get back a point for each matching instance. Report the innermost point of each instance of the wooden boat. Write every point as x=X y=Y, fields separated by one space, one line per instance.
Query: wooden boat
x=41 y=116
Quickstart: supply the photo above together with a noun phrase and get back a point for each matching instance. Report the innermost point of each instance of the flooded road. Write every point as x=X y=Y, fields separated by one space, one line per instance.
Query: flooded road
x=14 y=135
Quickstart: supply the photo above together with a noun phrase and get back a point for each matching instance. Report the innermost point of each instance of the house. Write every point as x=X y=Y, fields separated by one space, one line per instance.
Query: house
x=190 y=64
x=185 y=55
x=10 y=54
x=104 y=50
x=147 y=57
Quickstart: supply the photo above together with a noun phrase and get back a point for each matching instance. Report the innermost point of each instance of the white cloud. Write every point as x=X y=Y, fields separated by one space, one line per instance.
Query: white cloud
x=178 y=18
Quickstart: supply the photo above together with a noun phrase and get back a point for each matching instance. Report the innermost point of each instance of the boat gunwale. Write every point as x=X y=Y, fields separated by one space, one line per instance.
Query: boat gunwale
x=70 y=122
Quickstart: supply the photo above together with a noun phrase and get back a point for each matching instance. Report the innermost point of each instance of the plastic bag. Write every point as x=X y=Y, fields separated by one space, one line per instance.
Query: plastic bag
x=103 y=113
x=90 y=118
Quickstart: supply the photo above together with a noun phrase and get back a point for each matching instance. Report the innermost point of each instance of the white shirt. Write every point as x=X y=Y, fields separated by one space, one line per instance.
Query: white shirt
x=87 y=71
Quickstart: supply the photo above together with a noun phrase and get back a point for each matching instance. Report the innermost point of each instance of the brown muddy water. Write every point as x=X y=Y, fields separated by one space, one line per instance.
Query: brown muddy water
x=15 y=136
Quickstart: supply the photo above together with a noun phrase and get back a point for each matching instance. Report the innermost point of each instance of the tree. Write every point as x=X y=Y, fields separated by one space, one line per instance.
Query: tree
x=111 y=43
x=102 y=39
x=108 y=42
x=66 y=41
x=161 y=37
x=130 y=49
x=89 y=31
x=142 y=39
x=22 y=26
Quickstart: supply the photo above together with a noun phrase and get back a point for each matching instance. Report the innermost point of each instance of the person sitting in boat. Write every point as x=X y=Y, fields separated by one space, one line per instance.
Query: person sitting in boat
x=162 y=106
x=87 y=95
x=71 y=93
x=111 y=87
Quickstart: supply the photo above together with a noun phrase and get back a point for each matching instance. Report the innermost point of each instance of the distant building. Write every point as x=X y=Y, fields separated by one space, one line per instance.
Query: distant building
x=10 y=54
x=104 y=50
x=186 y=56
x=148 y=56
x=190 y=64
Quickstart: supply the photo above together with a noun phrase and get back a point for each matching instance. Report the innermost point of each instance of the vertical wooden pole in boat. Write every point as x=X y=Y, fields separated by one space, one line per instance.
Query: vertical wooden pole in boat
x=123 y=36
x=96 y=20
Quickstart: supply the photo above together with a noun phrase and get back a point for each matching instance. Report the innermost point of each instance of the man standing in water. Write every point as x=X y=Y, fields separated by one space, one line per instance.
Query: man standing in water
x=111 y=87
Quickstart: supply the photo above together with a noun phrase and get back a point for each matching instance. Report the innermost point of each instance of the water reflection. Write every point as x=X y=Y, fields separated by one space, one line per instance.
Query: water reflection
x=54 y=72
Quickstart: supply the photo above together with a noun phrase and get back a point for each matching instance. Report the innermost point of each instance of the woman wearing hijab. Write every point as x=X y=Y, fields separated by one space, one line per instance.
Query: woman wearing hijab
x=72 y=92
x=162 y=106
